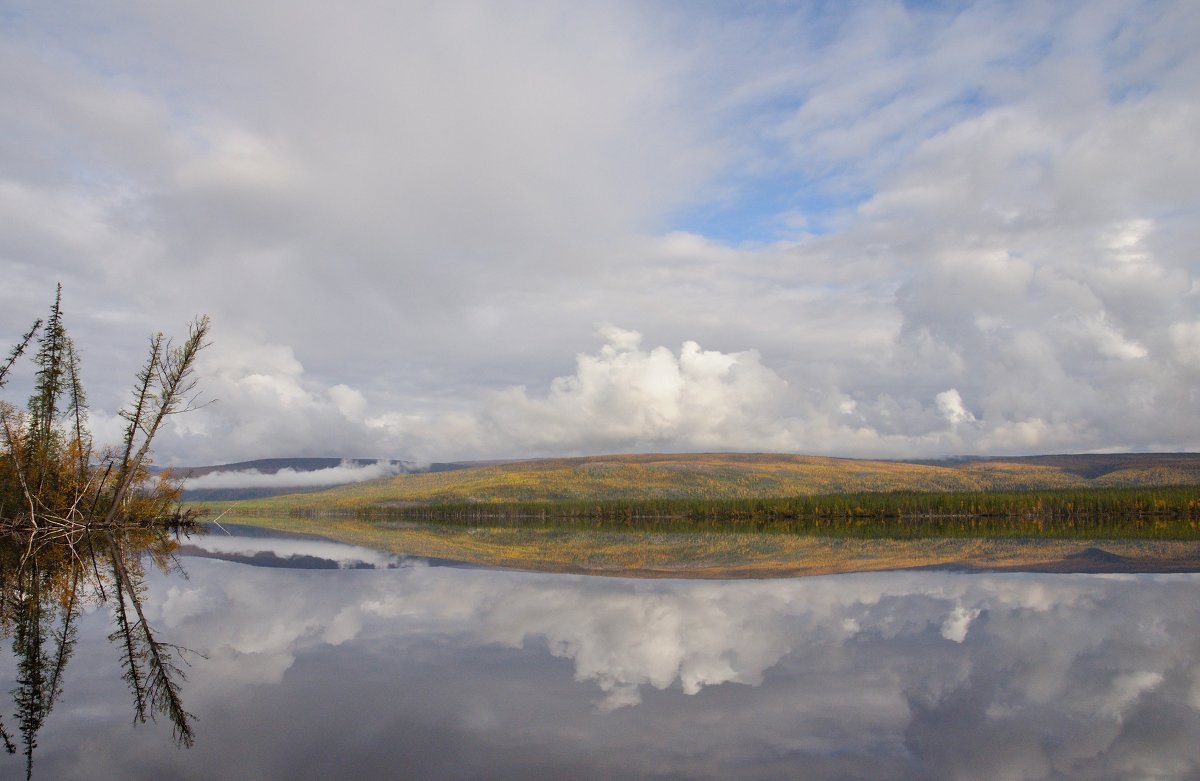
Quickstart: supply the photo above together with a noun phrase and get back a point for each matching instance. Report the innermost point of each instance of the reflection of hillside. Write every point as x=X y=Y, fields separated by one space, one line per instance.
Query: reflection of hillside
x=719 y=554
x=46 y=582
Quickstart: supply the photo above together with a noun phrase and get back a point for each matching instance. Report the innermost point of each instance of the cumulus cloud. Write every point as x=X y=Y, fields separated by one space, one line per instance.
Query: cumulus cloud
x=950 y=404
x=847 y=211
x=622 y=397
x=958 y=623
x=258 y=401
x=627 y=395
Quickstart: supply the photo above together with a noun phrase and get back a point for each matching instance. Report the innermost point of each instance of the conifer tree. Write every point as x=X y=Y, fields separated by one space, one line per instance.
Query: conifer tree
x=47 y=469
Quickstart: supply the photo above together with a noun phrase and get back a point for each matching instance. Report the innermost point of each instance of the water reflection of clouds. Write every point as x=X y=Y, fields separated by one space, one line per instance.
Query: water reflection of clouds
x=902 y=675
x=345 y=556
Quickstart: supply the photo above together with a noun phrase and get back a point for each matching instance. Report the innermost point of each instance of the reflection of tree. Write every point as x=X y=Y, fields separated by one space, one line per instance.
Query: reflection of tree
x=45 y=582
x=150 y=668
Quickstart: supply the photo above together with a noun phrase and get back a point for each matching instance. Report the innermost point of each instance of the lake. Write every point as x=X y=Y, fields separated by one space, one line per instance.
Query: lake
x=312 y=659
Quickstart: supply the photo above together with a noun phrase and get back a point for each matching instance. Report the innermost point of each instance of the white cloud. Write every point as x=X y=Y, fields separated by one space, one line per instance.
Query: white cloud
x=629 y=396
x=622 y=398
x=958 y=623
x=347 y=556
x=851 y=210
x=950 y=404
x=347 y=472
x=258 y=401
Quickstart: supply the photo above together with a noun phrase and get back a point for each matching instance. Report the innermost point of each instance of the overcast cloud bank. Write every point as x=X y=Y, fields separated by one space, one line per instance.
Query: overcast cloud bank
x=882 y=230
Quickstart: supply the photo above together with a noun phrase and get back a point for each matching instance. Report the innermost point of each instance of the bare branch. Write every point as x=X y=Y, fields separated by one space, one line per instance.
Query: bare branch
x=18 y=350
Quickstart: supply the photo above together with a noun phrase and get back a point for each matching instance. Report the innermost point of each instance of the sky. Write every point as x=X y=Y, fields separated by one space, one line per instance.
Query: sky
x=459 y=230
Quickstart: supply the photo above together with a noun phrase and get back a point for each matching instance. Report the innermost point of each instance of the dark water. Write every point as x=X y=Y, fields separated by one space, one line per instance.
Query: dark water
x=383 y=668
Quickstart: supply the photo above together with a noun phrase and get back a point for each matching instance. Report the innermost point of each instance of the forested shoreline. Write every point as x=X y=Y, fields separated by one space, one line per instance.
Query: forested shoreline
x=1171 y=512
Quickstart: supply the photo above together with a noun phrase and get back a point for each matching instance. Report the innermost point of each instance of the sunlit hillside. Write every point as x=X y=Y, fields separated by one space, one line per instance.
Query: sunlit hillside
x=734 y=476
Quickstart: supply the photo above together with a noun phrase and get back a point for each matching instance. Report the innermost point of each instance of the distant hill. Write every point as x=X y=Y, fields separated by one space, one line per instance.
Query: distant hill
x=1108 y=469
x=736 y=475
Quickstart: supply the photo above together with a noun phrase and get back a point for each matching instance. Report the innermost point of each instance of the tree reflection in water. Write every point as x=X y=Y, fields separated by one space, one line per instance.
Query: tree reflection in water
x=46 y=581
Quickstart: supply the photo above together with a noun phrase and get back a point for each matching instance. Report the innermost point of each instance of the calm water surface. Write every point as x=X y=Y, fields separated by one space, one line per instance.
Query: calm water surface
x=376 y=667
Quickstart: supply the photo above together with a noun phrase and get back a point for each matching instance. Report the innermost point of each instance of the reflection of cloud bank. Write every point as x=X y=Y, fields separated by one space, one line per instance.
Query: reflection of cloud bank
x=899 y=675
x=623 y=635
x=346 y=472
x=346 y=556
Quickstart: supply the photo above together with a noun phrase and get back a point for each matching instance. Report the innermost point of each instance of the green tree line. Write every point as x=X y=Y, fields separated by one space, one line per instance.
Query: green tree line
x=1171 y=512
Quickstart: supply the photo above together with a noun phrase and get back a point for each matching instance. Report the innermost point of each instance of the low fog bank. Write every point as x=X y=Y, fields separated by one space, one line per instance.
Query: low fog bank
x=345 y=472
